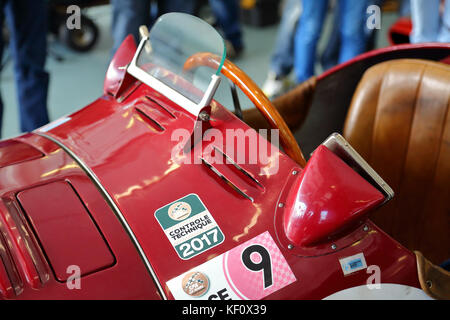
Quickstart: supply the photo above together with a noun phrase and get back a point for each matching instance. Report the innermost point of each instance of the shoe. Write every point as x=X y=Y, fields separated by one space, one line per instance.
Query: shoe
x=232 y=51
x=275 y=86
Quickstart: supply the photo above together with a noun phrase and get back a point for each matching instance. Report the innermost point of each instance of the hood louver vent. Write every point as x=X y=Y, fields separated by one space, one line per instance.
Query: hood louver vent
x=19 y=252
x=234 y=175
x=155 y=104
x=10 y=283
x=155 y=125
x=13 y=152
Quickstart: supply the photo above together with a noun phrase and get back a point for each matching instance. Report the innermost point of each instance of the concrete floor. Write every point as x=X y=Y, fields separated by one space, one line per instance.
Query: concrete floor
x=78 y=80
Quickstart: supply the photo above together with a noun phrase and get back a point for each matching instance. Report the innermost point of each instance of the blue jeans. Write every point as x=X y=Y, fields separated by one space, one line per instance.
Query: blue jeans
x=227 y=14
x=428 y=25
x=353 y=40
x=129 y=15
x=405 y=8
x=282 y=60
x=330 y=56
x=27 y=24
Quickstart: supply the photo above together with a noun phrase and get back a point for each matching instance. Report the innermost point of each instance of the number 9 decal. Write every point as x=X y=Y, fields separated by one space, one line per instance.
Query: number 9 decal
x=264 y=265
x=257 y=268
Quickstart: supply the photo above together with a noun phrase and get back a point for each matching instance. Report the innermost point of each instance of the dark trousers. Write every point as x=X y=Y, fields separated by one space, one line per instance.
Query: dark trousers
x=27 y=26
x=129 y=15
x=227 y=14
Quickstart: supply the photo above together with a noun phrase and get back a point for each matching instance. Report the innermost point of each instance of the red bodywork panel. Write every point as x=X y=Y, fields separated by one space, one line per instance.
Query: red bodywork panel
x=62 y=210
x=12 y=152
x=111 y=165
x=328 y=198
x=132 y=161
x=116 y=75
x=127 y=278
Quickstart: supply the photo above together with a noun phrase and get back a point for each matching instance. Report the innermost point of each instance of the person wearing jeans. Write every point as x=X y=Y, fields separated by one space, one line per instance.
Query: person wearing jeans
x=330 y=55
x=299 y=33
x=27 y=25
x=428 y=24
x=352 y=15
x=282 y=59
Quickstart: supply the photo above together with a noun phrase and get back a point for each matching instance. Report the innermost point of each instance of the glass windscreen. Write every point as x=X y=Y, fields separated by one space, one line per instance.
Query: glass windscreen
x=174 y=39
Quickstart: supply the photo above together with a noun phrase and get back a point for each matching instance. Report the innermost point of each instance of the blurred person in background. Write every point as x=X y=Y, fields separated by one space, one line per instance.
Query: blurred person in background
x=282 y=59
x=351 y=15
x=228 y=20
x=330 y=55
x=27 y=26
x=299 y=33
x=129 y=15
x=431 y=21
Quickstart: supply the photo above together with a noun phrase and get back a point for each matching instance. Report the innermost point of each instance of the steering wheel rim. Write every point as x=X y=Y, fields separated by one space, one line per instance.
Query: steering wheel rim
x=255 y=94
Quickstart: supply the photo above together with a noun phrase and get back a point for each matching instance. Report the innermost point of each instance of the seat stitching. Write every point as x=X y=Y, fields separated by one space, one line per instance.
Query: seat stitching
x=419 y=87
x=405 y=157
x=374 y=124
x=433 y=175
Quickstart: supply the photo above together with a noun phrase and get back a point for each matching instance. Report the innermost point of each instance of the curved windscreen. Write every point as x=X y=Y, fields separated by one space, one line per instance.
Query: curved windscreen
x=174 y=39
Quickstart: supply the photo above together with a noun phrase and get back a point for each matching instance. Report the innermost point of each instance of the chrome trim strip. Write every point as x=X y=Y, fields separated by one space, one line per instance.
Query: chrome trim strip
x=339 y=146
x=238 y=167
x=227 y=181
x=210 y=91
x=145 y=115
x=161 y=106
x=114 y=208
x=166 y=91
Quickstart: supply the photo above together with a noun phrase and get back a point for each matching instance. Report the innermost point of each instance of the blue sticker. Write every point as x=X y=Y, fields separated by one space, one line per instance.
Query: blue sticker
x=353 y=263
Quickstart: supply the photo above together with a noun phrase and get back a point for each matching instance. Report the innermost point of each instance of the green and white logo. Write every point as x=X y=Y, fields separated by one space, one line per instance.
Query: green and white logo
x=189 y=226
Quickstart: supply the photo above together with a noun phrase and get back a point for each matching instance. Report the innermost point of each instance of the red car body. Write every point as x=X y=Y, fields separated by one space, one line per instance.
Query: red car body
x=83 y=191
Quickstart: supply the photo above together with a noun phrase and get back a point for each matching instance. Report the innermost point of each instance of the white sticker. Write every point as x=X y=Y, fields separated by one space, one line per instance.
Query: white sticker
x=354 y=263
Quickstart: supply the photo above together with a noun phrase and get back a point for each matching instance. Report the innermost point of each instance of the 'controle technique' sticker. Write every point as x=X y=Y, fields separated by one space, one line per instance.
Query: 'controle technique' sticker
x=189 y=226
x=250 y=271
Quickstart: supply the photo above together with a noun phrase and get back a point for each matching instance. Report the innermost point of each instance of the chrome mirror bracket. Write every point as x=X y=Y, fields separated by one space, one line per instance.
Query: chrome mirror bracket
x=187 y=104
x=340 y=147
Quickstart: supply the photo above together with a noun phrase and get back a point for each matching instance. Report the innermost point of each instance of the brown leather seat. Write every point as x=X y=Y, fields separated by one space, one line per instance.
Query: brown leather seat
x=399 y=121
x=434 y=280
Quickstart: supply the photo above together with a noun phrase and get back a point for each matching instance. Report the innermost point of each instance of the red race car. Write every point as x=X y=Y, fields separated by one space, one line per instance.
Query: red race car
x=156 y=191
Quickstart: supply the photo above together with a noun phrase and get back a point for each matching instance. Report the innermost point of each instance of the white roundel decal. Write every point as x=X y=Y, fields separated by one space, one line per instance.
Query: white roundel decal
x=386 y=291
x=195 y=284
x=179 y=210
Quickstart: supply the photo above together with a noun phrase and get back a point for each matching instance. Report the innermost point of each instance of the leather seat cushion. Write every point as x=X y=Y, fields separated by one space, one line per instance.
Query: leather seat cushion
x=399 y=122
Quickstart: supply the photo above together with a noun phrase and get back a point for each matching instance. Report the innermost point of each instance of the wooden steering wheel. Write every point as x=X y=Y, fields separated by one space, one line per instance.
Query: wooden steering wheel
x=255 y=94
